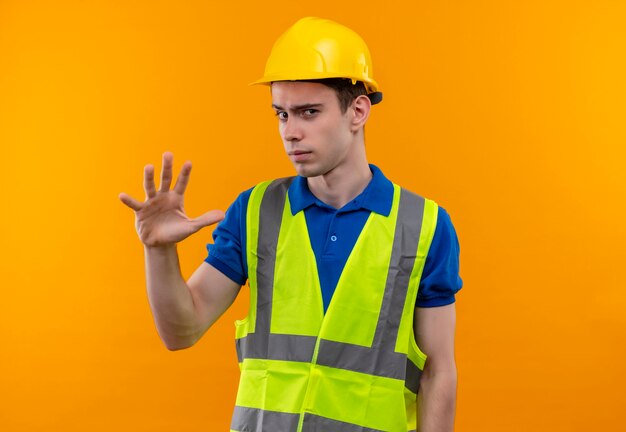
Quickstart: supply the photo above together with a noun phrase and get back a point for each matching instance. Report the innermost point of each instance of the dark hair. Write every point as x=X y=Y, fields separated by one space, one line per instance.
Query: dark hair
x=345 y=90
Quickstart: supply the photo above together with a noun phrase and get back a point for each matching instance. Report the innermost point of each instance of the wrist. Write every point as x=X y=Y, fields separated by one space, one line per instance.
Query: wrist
x=164 y=249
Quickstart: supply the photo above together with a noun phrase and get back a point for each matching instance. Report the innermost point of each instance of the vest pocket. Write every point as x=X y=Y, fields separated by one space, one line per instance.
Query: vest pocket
x=241 y=331
x=356 y=398
x=241 y=328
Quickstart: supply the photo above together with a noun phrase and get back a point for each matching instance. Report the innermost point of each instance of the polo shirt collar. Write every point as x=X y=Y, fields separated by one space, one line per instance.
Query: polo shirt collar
x=377 y=195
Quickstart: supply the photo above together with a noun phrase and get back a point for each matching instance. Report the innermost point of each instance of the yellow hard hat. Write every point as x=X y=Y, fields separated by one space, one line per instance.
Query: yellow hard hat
x=316 y=48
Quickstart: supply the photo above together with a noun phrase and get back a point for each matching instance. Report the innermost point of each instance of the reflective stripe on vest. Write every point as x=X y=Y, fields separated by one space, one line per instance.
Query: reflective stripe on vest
x=303 y=371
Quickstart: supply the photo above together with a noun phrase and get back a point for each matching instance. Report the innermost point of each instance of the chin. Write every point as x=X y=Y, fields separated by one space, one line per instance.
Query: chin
x=306 y=171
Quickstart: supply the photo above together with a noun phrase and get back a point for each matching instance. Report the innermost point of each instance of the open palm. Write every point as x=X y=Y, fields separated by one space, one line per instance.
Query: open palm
x=161 y=220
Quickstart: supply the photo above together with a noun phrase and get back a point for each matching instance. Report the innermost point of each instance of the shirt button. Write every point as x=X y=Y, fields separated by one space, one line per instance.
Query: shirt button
x=333 y=238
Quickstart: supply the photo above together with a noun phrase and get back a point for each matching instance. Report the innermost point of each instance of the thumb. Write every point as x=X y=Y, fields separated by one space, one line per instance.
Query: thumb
x=209 y=218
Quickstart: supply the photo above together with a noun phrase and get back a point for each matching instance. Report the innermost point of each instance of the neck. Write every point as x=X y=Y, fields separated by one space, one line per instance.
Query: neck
x=342 y=184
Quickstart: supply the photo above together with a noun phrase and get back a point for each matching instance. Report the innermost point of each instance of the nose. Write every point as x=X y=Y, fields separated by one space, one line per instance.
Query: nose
x=291 y=130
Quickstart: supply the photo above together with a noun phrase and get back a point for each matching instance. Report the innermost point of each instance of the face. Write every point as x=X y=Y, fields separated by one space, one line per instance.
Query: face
x=317 y=136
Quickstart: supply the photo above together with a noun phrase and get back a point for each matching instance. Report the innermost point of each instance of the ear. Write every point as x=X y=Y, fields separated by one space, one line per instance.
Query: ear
x=360 y=110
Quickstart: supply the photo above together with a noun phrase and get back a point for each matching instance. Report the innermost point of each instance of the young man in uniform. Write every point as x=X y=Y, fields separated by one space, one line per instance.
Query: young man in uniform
x=352 y=278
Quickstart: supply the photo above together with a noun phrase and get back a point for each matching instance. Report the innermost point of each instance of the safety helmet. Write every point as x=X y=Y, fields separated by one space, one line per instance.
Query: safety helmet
x=316 y=48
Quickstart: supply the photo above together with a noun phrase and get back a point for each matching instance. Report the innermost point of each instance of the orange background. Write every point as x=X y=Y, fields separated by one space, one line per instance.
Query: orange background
x=510 y=114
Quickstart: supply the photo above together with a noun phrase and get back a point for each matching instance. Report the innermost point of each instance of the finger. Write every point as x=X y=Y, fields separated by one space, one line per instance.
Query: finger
x=209 y=218
x=131 y=202
x=148 y=181
x=166 y=171
x=183 y=178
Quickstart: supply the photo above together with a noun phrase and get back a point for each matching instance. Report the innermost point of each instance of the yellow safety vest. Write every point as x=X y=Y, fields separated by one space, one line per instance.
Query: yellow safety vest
x=355 y=368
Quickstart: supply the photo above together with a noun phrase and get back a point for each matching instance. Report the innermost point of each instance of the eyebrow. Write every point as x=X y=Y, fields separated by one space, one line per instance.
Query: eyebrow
x=299 y=107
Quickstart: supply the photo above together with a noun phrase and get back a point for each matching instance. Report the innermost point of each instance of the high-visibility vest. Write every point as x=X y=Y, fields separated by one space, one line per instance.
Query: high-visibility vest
x=355 y=368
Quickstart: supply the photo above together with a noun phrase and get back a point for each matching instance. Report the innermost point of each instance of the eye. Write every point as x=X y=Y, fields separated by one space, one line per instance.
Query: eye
x=282 y=115
x=309 y=112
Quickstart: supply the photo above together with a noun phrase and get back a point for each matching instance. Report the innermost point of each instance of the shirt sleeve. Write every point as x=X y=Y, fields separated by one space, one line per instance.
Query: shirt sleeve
x=440 y=278
x=227 y=253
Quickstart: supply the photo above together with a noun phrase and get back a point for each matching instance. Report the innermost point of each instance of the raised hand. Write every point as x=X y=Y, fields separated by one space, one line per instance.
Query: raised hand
x=161 y=220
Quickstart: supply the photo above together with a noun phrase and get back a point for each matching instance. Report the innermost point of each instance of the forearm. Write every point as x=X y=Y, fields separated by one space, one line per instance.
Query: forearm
x=170 y=299
x=437 y=402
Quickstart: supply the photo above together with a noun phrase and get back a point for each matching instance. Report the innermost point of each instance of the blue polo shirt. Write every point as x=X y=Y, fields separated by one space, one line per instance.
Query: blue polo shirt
x=333 y=233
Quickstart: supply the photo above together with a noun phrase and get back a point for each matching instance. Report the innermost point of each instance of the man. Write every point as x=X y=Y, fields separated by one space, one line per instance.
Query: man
x=337 y=336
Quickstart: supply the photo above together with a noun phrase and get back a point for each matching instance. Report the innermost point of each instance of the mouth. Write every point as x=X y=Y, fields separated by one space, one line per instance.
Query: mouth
x=298 y=152
x=299 y=155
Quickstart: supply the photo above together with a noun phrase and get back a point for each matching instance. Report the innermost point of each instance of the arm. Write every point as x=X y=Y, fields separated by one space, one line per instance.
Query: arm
x=182 y=311
x=434 y=333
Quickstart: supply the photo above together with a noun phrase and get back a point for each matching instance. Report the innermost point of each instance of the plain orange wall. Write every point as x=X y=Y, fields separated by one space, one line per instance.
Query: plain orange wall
x=510 y=114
